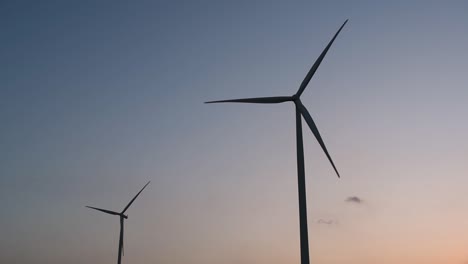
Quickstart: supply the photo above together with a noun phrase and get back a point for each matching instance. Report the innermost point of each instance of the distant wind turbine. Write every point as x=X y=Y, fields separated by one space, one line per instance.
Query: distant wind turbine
x=300 y=111
x=122 y=218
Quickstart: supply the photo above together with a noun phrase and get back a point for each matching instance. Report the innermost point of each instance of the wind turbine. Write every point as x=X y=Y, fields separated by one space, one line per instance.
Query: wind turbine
x=122 y=218
x=300 y=111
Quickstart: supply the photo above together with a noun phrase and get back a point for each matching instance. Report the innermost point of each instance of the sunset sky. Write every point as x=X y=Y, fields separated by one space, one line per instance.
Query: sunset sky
x=99 y=97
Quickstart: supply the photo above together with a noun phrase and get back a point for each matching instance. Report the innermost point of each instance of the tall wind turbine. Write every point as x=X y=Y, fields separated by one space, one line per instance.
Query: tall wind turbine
x=300 y=111
x=122 y=218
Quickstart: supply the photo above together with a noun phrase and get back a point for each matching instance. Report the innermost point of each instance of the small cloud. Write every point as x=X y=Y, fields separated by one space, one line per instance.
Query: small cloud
x=326 y=222
x=354 y=199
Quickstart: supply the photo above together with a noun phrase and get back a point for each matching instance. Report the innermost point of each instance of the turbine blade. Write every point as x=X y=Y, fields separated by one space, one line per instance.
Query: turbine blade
x=257 y=100
x=104 y=210
x=316 y=133
x=314 y=68
x=130 y=203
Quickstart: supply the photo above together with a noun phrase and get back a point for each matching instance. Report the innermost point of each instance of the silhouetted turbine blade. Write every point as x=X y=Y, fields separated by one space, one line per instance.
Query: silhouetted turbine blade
x=130 y=203
x=104 y=210
x=258 y=100
x=316 y=133
x=314 y=68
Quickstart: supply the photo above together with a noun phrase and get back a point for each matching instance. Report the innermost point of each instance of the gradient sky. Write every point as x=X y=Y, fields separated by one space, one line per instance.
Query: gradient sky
x=98 y=97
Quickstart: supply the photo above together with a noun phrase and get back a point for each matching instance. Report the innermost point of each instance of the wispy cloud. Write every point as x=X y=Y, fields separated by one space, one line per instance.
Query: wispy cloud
x=354 y=199
x=326 y=222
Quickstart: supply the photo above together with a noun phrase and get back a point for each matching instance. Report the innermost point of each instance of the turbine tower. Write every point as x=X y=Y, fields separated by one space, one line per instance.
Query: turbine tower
x=300 y=111
x=122 y=218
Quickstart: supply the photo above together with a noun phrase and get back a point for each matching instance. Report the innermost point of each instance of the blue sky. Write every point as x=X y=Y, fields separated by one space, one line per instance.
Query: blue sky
x=98 y=98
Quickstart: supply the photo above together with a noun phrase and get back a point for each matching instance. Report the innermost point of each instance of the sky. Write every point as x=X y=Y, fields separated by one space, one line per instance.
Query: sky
x=99 y=97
